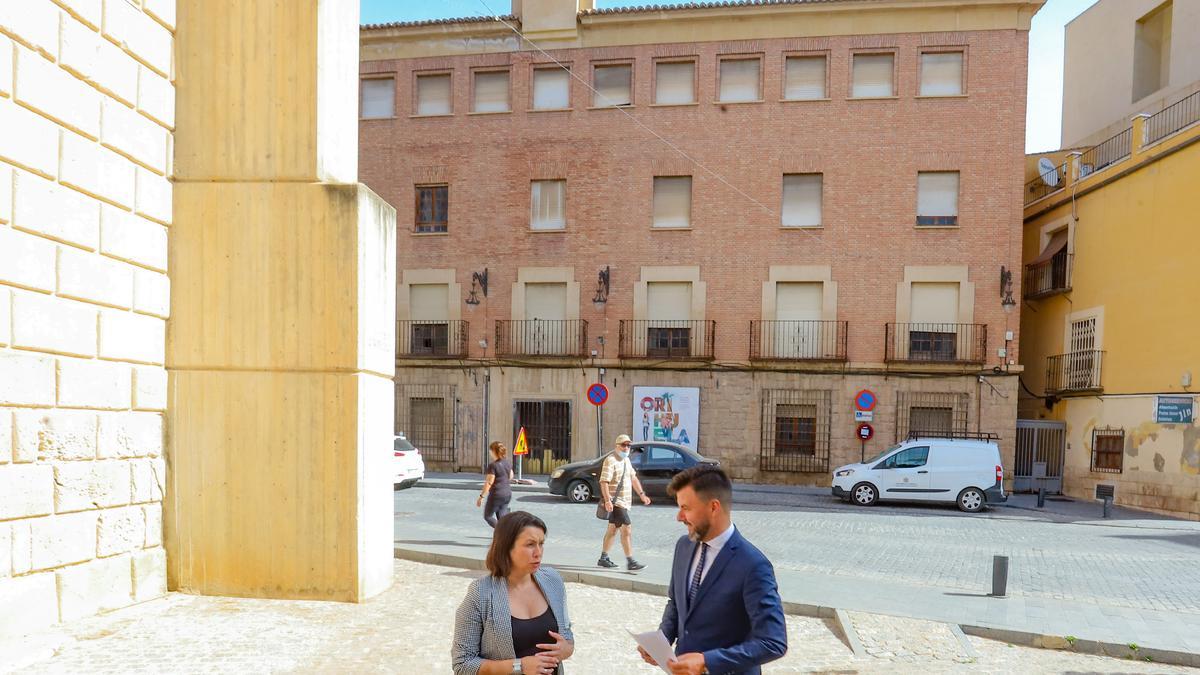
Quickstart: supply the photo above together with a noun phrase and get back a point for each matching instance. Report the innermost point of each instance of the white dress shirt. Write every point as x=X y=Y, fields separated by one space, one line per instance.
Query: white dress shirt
x=714 y=547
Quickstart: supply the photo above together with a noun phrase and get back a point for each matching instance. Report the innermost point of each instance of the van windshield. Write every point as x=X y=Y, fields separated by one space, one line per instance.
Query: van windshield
x=881 y=455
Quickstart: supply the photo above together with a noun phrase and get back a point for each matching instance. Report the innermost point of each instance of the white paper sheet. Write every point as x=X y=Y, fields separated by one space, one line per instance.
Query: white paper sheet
x=656 y=645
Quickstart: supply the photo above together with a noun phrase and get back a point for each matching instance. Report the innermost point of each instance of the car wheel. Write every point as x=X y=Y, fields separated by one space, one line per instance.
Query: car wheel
x=579 y=491
x=864 y=494
x=971 y=500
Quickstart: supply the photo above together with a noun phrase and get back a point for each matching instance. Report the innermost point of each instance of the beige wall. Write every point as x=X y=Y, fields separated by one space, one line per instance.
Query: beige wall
x=1098 y=67
x=87 y=108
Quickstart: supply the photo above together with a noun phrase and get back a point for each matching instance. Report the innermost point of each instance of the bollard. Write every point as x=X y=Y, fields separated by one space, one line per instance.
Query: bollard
x=1108 y=507
x=1041 y=497
x=999 y=576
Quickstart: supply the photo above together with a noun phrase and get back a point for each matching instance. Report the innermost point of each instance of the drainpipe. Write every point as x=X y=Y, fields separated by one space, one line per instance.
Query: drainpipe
x=487 y=404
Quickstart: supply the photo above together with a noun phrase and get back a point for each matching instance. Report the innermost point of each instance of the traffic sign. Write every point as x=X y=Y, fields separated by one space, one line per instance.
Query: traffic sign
x=865 y=400
x=865 y=431
x=522 y=444
x=597 y=394
x=864 y=416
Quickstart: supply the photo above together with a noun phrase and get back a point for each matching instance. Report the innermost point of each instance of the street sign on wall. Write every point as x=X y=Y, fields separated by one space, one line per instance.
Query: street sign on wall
x=1174 y=409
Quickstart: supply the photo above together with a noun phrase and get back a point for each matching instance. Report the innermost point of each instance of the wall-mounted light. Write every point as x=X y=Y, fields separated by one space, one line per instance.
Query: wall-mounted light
x=602 y=287
x=1006 y=290
x=479 y=282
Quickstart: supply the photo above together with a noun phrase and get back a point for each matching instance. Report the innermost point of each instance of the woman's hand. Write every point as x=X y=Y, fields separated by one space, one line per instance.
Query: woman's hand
x=479 y=501
x=561 y=650
x=539 y=664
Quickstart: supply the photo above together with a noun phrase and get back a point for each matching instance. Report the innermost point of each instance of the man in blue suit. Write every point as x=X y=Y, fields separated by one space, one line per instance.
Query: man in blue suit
x=723 y=610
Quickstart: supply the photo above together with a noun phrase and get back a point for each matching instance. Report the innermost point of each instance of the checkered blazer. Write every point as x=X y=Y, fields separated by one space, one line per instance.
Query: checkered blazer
x=483 y=623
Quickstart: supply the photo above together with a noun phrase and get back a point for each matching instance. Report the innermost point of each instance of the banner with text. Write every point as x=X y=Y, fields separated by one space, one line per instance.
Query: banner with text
x=667 y=414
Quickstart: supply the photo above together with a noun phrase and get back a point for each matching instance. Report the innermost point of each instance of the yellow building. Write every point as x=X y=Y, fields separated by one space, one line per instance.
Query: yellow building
x=1108 y=336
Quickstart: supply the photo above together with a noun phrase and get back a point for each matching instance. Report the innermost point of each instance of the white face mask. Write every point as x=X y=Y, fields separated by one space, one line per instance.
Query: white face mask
x=622 y=453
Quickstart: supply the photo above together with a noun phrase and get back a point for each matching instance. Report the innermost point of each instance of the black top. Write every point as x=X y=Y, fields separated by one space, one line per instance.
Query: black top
x=501 y=487
x=529 y=633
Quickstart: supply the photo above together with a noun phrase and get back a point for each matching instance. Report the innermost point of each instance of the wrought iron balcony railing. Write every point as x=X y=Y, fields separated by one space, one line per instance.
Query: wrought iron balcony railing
x=542 y=337
x=431 y=339
x=936 y=342
x=1048 y=278
x=658 y=339
x=1074 y=372
x=798 y=340
x=1174 y=117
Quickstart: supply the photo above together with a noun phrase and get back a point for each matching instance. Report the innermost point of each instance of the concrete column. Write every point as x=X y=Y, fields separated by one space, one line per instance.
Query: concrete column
x=280 y=345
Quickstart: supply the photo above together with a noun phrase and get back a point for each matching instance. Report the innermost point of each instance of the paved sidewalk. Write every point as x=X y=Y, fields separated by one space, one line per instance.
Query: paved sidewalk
x=408 y=629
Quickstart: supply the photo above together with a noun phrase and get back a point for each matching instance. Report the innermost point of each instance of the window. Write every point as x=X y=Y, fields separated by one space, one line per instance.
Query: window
x=796 y=330
x=930 y=413
x=933 y=316
x=873 y=76
x=740 y=80
x=491 y=92
x=669 y=333
x=1083 y=363
x=430 y=339
x=931 y=420
x=547 y=205
x=551 y=88
x=942 y=74
x=804 y=78
x=432 y=208
x=801 y=200
x=425 y=414
x=663 y=455
x=428 y=308
x=378 y=97
x=937 y=198
x=613 y=84
x=672 y=201
x=1152 y=52
x=433 y=94
x=1108 y=450
x=1050 y=271
x=795 y=430
x=908 y=458
x=675 y=82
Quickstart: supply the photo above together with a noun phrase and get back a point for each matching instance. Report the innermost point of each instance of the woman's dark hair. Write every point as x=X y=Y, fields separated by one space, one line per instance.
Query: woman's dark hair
x=498 y=448
x=707 y=480
x=508 y=528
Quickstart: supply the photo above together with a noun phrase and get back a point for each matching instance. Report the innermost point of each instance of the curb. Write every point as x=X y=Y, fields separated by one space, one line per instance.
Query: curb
x=1024 y=638
x=477 y=486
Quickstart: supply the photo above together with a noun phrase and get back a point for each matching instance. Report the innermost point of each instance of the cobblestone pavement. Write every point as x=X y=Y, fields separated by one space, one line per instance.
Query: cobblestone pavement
x=408 y=629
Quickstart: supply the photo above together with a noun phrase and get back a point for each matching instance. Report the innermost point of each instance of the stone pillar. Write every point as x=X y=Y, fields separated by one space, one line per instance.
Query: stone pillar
x=280 y=346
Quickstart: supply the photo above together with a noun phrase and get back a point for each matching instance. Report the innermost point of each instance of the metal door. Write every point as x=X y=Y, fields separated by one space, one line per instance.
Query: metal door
x=1041 y=450
x=548 y=429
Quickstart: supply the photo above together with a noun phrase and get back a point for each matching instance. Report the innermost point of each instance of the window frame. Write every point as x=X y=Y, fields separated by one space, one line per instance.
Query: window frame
x=416 y=91
x=629 y=63
x=820 y=202
x=936 y=222
x=753 y=56
x=804 y=54
x=561 y=227
x=667 y=60
x=508 y=95
x=419 y=224
x=1108 y=434
x=883 y=51
x=691 y=203
x=376 y=76
x=946 y=49
x=546 y=66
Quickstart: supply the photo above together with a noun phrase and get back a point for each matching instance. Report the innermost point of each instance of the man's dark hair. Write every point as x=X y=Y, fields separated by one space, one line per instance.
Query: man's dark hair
x=709 y=481
x=508 y=528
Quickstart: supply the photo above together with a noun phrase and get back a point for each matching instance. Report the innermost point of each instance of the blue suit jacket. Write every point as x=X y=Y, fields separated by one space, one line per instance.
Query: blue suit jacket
x=736 y=619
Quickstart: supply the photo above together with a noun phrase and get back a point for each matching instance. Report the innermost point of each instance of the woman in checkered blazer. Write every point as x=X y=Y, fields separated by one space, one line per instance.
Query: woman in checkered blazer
x=514 y=620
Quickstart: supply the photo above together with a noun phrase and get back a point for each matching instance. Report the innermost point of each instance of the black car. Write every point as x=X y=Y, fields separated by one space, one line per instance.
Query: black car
x=656 y=464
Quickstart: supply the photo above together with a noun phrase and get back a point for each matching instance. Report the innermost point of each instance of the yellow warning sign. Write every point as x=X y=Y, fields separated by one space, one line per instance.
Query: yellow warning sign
x=522 y=444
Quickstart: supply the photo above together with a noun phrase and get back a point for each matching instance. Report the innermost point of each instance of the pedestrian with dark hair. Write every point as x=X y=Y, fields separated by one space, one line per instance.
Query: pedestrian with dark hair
x=514 y=620
x=497 y=485
x=724 y=613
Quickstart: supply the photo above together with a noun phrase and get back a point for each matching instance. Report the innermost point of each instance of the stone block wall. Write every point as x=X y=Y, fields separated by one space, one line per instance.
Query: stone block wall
x=87 y=108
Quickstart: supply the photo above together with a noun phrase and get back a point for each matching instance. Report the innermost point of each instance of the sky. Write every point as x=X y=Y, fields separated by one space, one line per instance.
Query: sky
x=1043 y=115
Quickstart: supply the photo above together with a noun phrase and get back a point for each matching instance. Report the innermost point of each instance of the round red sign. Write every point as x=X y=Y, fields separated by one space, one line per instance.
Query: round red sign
x=865 y=431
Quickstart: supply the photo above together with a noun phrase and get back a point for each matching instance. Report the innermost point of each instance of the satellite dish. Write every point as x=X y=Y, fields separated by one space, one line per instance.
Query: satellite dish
x=1048 y=171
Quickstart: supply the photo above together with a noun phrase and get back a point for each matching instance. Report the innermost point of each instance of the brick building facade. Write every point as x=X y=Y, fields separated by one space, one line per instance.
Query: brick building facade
x=825 y=207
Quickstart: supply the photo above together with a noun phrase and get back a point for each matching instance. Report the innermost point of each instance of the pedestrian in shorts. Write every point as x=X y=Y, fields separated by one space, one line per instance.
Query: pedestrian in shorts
x=618 y=481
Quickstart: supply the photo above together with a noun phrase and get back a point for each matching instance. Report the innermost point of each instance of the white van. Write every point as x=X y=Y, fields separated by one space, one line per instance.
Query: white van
x=928 y=469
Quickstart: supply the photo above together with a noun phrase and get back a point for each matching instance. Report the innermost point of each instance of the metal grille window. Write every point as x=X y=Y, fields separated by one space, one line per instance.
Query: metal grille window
x=432 y=208
x=795 y=430
x=1108 y=450
x=548 y=429
x=427 y=415
x=430 y=339
x=932 y=414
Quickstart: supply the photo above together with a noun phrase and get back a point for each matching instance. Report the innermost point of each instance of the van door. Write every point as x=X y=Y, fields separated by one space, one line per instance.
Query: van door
x=949 y=470
x=905 y=474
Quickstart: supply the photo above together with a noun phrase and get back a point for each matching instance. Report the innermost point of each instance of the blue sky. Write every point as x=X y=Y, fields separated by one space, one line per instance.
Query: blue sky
x=1043 y=117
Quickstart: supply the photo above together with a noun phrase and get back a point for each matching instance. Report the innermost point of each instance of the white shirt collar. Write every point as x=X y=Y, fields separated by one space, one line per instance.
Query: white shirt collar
x=718 y=542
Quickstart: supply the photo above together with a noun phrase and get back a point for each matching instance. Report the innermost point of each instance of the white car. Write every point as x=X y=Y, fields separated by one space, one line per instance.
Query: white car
x=929 y=469
x=408 y=467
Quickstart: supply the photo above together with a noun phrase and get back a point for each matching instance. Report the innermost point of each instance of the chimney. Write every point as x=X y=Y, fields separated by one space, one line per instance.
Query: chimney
x=549 y=19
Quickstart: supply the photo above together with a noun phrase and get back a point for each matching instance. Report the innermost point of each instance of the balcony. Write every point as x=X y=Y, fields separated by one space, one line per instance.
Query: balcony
x=798 y=340
x=1075 y=372
x=431 y=339
x=950 y=343
x=1048 y=277
x=656 y=339
x=542 y=337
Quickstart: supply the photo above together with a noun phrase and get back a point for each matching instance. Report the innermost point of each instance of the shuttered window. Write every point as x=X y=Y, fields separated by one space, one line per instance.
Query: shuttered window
x=942 y=74
x=613 y=84
x=551 y=89
x=491 y=92
x=873 y=75
x=798 y=301
x=675 y=83
x=378 y=97
x=547 y=302
x=547 y=201
x=740 y=80
x=934 y=303
x=429 y=302
x=672 y=201
x=804 y=78
x=433 y=94
x=937 y=198
x=669 y=301
x=801 y=200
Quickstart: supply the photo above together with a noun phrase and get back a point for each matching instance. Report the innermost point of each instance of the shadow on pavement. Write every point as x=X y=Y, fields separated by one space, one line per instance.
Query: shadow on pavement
x=1192 y=540
x=438 y=542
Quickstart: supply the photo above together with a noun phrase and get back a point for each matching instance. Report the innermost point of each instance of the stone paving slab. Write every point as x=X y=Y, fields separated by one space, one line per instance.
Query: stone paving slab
x=407 y=630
